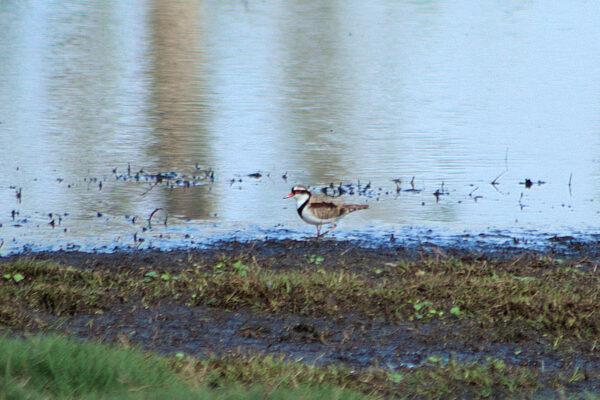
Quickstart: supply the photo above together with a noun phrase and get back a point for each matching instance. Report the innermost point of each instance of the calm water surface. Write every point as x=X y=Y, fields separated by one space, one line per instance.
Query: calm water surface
x=322 y=91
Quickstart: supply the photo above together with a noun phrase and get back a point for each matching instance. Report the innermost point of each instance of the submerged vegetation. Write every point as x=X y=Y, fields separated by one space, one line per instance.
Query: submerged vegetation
x=532 y=300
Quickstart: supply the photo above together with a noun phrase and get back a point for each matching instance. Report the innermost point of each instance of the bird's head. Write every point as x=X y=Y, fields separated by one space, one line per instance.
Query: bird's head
x=298 y=191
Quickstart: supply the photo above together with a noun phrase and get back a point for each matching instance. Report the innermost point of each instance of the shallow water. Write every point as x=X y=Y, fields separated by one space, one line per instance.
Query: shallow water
x=452 y=95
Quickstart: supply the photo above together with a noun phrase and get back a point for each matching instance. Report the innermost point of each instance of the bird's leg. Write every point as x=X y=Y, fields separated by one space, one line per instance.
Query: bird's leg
x=318 y=231
x=330 y=229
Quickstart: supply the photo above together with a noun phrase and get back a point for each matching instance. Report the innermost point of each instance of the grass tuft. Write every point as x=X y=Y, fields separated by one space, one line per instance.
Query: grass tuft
x=60 y=368
x=433 y=380
x=509 y=300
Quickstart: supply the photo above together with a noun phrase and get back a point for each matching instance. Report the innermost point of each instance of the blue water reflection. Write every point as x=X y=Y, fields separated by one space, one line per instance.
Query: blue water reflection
x=319 y=91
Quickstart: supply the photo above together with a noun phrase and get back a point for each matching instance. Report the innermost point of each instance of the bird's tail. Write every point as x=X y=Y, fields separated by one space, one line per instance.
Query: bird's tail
x=356 y=207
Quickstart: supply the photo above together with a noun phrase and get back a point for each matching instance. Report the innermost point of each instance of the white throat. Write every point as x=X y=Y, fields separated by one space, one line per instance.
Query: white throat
x=301 y=198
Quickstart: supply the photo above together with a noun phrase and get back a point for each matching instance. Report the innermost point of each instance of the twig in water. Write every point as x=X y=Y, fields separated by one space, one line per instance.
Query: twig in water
x=151 y=187
x=495 y=181
x=398 y=182
x=151 y=215
x=521 y=202
x=570 y=178
x=412 y=186
x=136 y=242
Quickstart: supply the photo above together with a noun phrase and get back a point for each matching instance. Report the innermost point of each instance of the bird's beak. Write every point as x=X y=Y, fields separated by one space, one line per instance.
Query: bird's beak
x=289 y=195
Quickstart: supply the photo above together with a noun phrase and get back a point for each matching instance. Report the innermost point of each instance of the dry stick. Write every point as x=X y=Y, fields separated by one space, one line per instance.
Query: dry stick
x=230 y=297
x=437 y=250
x=254 y=244
x=137 y=246
x=133 y=390
x=345 y=251
x=522 y=256
x=150 y=217
x=495 y=181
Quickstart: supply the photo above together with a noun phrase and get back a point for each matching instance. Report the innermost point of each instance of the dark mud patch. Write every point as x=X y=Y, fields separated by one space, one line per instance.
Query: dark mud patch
x=347 y=340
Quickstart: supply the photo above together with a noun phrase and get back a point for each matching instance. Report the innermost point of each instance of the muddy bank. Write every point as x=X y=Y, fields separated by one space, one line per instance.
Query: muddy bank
x=348 y=340
x=353 y=253
x=324 y=302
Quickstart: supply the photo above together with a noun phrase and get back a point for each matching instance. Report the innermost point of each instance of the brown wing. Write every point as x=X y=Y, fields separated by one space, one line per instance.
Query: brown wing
x=327 y=209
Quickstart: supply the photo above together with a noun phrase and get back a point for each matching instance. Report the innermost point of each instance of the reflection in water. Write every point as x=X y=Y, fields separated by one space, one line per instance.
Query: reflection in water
x=316 y=101
x=322 y=91
x=89 y=74
x=179 y=95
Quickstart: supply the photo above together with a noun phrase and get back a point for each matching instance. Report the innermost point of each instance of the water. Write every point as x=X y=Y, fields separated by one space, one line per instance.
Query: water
x=325 y=91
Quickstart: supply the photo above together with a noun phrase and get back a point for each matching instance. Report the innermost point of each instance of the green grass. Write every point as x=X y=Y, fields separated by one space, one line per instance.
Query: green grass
x=54 y=367
x=57 y=368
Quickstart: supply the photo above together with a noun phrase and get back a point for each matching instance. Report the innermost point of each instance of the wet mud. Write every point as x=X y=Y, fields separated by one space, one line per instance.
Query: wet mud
x=348 y=340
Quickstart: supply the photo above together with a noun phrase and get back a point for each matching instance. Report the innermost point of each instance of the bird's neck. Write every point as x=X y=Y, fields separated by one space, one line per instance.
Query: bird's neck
x=302 y=201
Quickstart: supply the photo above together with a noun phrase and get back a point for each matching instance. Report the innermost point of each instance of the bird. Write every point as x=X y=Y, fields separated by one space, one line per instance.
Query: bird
x=318 y=211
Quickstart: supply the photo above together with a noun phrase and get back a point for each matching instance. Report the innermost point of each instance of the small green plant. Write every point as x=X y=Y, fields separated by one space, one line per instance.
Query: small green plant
x=577 y=376
x=168 y=277
x=240 y=268
x=218 y=268
x=424 y=310
x=434 y=359
x=315 y=259
x=496 y=363
x=15 y=277
x=396 y=378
